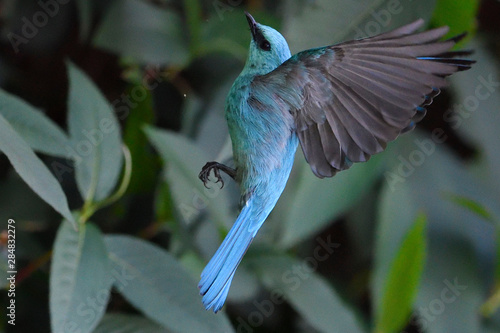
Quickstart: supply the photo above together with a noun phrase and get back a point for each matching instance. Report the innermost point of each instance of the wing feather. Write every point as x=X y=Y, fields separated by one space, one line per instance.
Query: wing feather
x=401 y=31
x=331 y=147
x=351 y=150
x=365 y=113
x=348 y=100
x=394 y=70
x=314 y=153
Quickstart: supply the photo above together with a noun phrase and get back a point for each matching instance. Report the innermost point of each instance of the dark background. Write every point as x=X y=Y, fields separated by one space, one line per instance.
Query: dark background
x=195 y=62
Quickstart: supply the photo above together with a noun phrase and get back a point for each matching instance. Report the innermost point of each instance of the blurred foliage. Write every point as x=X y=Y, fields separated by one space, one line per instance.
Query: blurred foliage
x=108 y=111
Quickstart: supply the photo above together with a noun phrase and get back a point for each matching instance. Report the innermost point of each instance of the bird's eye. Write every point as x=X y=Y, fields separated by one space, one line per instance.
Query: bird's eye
x=265 y=45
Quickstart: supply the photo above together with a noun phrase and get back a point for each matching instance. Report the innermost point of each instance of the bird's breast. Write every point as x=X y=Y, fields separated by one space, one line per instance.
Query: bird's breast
x=261 y=134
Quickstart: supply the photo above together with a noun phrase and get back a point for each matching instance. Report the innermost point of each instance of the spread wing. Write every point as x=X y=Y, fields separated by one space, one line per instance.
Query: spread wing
x=348 y=100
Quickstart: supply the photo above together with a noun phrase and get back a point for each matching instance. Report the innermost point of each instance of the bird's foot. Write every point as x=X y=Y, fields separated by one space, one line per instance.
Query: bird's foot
x=216 y=167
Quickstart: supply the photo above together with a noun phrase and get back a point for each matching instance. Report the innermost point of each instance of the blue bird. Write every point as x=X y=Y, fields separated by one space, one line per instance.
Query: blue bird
x=343 y=103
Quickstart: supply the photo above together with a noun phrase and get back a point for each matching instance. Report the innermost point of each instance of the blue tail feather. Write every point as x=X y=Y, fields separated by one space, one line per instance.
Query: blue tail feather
x=220 y=298
x=217 y=276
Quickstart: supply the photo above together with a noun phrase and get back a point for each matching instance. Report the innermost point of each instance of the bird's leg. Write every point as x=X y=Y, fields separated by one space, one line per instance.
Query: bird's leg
x=216 y=167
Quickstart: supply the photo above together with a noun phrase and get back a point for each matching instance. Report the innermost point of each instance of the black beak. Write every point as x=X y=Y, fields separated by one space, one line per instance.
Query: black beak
x=252 y=24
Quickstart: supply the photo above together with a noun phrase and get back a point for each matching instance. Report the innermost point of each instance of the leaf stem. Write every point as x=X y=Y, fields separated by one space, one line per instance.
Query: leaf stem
x=89 y=209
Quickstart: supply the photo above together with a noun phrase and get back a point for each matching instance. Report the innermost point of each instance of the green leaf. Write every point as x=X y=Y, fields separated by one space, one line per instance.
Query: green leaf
x=95 y=137
x=308 y=293
x=144 y=163
x=156 y=284
x=32 y=170
x=80 y=279
x=339 y=20
x=127 y=323
x=145 y=32
x=35 y=128
x=193 y=20
x=183 y=162
x=403 y=280
x=418 y=186
x=319 y=201
x=460 y=16
x=471 y=205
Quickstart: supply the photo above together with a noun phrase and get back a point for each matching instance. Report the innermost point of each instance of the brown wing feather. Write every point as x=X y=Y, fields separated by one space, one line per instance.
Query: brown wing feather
x=349 y=99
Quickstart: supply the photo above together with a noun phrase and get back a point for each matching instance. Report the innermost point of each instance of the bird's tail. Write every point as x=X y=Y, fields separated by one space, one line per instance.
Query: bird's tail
x=217 y=276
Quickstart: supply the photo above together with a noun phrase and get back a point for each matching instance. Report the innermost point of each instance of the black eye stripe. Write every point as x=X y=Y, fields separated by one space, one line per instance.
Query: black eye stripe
x=261 y=41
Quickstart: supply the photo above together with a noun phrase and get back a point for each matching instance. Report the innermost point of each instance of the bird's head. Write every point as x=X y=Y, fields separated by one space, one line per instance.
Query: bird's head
x=268 y=48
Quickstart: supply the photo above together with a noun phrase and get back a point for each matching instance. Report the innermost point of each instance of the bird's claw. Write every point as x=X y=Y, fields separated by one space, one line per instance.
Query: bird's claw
x=219 y=177
x=205 y=174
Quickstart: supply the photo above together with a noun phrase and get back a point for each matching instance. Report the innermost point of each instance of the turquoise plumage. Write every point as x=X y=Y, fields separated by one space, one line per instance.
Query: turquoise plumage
x=343 y=103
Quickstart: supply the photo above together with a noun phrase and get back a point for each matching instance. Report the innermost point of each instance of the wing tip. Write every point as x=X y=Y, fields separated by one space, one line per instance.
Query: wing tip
x=418 y=23
x=457 y=38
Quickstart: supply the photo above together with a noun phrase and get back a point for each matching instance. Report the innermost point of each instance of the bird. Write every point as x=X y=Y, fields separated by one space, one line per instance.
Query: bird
x=342 y=103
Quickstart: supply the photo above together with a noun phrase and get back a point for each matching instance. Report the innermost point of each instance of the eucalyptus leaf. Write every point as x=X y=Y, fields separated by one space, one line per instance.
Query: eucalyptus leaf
x=207 y=137
x=95 y=136
x=33 y=126
x=308 y=293
x=451 y=288
x=156 y=284
x=127 y=323
x=183 y=162
x=80 y=279
x=32 y=170
x=472 y=206
x=141 y=30
x=312 y=202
